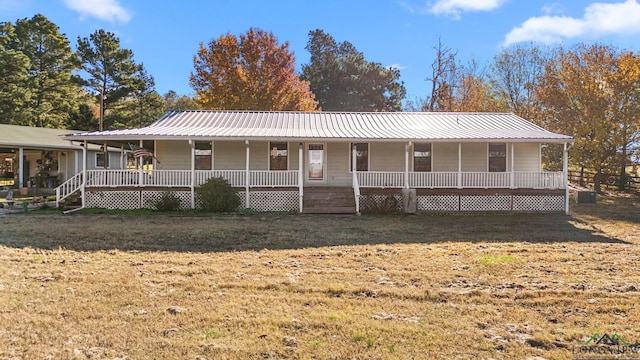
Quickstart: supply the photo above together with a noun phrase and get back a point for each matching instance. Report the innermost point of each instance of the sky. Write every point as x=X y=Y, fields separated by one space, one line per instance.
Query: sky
x=164 y=35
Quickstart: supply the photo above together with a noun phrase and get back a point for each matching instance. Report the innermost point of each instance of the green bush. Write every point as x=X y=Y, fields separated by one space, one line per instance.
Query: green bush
x=167 y=202
x=216 y=195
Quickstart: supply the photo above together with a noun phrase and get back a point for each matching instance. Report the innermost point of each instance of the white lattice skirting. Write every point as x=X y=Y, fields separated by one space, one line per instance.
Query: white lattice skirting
x=271 y=200
x=259 y=200
x=132 y=199
x=490 y=203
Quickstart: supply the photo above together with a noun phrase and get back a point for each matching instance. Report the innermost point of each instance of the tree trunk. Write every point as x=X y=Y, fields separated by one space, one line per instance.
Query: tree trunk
x=597 y=180
x=582 y=176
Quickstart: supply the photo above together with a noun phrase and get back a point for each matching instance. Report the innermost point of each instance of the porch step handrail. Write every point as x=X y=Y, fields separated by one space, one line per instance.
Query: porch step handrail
x=68 y=188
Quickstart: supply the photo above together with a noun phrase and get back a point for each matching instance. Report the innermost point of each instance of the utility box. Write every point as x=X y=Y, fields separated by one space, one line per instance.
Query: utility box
x=587 y=197
x=409 y=201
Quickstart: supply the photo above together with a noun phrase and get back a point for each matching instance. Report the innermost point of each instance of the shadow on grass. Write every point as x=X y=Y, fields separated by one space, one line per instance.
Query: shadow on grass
x=224 y=233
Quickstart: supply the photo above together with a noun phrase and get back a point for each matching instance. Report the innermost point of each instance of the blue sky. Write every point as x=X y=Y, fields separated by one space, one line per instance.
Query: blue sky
x=164 y=34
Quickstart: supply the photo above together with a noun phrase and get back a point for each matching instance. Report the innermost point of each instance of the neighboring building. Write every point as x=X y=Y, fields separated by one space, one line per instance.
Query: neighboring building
x=41 y=157
x=337 y=161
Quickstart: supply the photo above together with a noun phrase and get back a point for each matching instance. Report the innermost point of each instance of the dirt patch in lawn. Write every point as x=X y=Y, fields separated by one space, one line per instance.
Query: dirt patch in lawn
x=324 y=287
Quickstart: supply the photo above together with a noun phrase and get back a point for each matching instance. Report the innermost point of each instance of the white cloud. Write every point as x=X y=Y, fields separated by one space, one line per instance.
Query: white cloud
x=108 y=10
x=455 y=7
x=397 y=67
x=598 y=19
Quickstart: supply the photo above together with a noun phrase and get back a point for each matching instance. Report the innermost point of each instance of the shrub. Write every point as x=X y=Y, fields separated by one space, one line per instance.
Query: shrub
x=216 y=195
x=167 y=202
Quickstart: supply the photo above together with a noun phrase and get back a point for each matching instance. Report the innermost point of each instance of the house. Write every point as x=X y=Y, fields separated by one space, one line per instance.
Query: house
x=40 y=157
x=337 y=161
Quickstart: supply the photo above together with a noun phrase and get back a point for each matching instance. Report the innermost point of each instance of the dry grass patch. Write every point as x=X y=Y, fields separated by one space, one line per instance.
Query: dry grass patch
x=318 y=287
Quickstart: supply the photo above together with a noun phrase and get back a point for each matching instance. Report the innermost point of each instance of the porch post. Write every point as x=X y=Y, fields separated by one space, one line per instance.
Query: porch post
x=354 y=170
x=512 y=180
x=21 y=167
x=122 y=162
x=565 y=177
x=459 y=165
x=192 y=144
x=84 y=174
x=407 y=146
x=300 y=177
x=247 y=180
x=141 y=167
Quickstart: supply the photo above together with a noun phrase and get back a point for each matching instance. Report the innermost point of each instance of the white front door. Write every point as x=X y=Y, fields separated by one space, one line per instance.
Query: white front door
x=315 y=162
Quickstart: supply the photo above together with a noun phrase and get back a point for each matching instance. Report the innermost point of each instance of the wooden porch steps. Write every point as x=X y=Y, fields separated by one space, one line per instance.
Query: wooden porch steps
x=328 y=200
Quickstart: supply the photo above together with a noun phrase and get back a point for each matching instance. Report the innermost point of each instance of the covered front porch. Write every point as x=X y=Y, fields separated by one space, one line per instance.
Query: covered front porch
x=311 y=165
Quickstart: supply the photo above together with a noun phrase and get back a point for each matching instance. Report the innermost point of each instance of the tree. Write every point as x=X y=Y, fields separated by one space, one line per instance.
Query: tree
x=252 y=72
x=50 y=91
x=444 y=80
x=514 y=77
x=342 y=80
x=113 y=75
x=581 y=94
x=624 y=88
x=172 y=101
x=140 y=108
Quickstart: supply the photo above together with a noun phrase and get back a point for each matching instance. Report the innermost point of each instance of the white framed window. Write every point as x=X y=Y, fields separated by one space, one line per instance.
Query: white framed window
x=203 y=151
x=278 y=155
x=362 y=156
x=100 y=158
x=422 y=157
x=497 y=157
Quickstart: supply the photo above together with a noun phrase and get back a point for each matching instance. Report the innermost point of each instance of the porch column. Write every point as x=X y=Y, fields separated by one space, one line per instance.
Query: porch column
x=84 y=174
x=300 y=177
x=459 y=165
x=247 y=180
x=21 y=167
x=141 y=166
x=354 y=170
x=512 y=180
x=192 y=144
x=122 y=158
x=565 y=177
x=407 y=147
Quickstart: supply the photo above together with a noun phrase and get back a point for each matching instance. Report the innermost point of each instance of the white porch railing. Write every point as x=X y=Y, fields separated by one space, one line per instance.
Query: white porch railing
x=381 y=179
x=434 y=180
x=167 y=178
x=290 y=178
x=486 y=180
x=68 y=187
x=182 y=178
x=280 y=178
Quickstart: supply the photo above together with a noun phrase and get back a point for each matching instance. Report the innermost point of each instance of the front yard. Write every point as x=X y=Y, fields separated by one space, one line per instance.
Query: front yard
x=314 y=287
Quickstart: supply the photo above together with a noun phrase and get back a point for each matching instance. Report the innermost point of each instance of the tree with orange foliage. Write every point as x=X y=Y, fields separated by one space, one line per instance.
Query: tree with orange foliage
x=252 y=72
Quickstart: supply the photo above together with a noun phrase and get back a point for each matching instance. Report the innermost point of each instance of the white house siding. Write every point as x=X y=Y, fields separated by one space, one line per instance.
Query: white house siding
x=527 y=157
x=386 y=156
x=173 y=155
x=445 y=156
x=258 y=156
x=229 y=155
x=474 y=156
x=338 y=164
x=293 y=155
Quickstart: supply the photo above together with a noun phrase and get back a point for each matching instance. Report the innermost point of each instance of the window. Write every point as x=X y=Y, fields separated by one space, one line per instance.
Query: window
x=497 y=157
x=203 y=155
x=421 y=157
x=100 y=160
x=278 y=155
x=362 y=157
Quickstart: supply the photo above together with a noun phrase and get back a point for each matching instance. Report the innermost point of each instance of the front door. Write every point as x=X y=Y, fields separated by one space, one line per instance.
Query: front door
x=315 y=163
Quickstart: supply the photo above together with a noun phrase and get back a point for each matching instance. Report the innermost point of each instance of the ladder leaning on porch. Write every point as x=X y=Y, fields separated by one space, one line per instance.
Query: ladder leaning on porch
x=68 y=188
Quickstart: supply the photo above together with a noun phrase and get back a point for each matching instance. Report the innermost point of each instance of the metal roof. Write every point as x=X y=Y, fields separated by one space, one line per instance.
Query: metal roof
x=333 y=126
x=30 y=137
x=35 y=137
